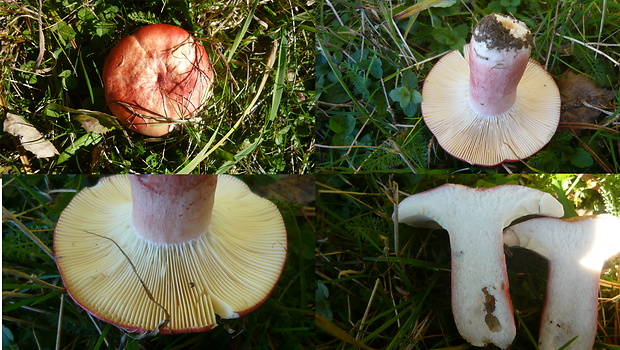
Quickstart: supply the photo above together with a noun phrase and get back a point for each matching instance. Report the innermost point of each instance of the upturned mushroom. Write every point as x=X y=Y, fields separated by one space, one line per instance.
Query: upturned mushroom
x=576 y=250
x=157 y=77
x=167 y=253
x=493 y=103
x=474 y=219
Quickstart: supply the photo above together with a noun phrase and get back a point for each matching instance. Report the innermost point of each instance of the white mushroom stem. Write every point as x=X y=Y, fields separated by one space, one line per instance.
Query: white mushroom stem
x=499 y=52
x=172 y=209
x=576 y=250
x=474 y=219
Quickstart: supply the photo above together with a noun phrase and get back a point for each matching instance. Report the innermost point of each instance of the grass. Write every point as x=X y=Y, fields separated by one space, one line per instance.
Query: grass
x=259 y=119
x=371 y=68
x=37 y=311
x=387 y=286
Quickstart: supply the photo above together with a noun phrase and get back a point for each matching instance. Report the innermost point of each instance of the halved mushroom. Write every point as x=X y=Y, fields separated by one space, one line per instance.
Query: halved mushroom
x=169 y=252
x=474 y=219
x=576 y=249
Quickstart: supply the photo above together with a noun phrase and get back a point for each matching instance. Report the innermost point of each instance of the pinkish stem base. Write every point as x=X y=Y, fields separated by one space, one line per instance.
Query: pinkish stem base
x=498 y=55
x=172 y=209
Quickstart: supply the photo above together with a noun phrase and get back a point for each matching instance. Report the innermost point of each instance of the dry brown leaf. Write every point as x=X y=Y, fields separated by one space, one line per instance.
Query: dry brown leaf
x=575 y=88
x=91 y=124
x=31 y=139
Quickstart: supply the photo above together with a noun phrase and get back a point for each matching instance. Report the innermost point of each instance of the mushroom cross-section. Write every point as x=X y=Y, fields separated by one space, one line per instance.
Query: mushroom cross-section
x=156 y=77
x=493 y=103
x=576 y=250
x=474 y=219
x=169 y=252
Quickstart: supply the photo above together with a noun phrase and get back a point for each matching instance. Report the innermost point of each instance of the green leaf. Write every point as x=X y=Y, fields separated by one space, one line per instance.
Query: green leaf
x=495 y=6
x=446 y=3
x=322 y=68
x=376 y=68
x=322 y=304
x=373 y=65
x=410 y=80
x=405 y=96
x=359 y=55
x=64 y=30
x=454 y=38
x=342 y=124
x=343 y=139
x=399 y=94
x=412 y=108
x=68 y=81
x=581 y=158
x=417 y=97
x=52 y=110
x=84 y=141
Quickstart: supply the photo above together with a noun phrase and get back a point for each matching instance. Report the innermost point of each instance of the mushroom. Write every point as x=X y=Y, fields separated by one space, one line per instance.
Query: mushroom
x=474 y=219
x=156 y=77
x=576 y=249
x=167 y=253
x=493 y=103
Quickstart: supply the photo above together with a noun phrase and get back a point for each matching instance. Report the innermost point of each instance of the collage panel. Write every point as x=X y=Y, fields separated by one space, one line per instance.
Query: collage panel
x=451 y=261
x=197 y=87
x=245 y=282
x=416 y=87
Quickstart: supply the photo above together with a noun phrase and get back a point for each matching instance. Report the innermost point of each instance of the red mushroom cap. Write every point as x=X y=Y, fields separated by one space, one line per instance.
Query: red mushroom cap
x=156 y=76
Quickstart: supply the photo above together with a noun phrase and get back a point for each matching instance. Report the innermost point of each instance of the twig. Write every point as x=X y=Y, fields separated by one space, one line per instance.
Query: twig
x=335 y=12
x=402 y=155
x=31 y=278
x=59 y=329
x=135 y=270
x=372 y=297
x=395 y=218
x=167 y=318
x=600 y=30
x=105 y=340
x=41 y=38
x=616 y=63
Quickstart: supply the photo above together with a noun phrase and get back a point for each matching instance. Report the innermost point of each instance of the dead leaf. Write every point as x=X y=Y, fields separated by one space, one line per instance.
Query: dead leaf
x=91 y=124
x=92 y=121
x=31 y=139
x=575 y=88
